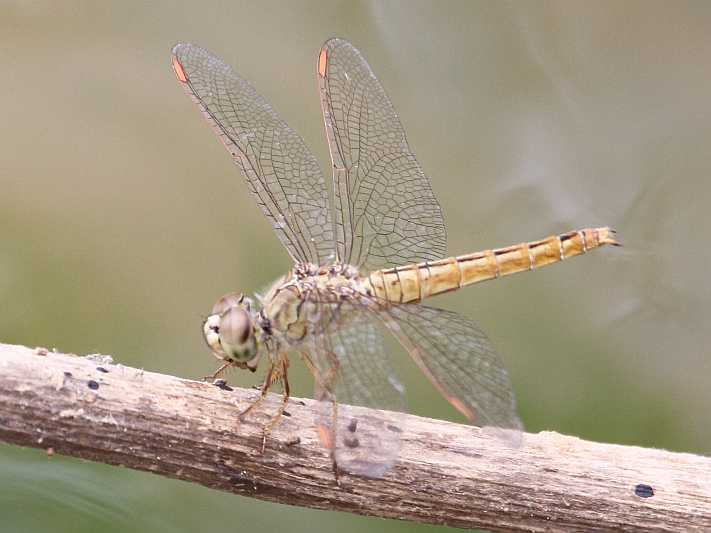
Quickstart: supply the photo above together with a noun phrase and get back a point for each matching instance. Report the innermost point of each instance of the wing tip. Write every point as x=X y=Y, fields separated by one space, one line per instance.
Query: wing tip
x=176 y=46
x=462 y=408
x=177 y=66
x=331 y=42
x=326 y=49
x=325 y=436
x=323 y=60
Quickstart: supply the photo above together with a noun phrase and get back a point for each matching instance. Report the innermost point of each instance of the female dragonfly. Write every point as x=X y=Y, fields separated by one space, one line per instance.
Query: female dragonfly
x=361 y=268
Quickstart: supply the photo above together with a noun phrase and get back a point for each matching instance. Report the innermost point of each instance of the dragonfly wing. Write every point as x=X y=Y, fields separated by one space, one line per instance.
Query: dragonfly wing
x=460 y=361
x=280 y=170
x=351 y=368
x=385 y=211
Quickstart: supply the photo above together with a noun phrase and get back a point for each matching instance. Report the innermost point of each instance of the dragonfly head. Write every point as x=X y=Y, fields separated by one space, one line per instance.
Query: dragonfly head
x=229 y=331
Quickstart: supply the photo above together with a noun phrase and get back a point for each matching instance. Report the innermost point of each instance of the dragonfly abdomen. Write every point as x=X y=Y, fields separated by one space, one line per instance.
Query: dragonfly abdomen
x=415 y=282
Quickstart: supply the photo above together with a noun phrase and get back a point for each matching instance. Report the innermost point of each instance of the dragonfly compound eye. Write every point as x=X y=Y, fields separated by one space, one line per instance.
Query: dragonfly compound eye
x=229 y=300
x=236 y=334
x=211 y=332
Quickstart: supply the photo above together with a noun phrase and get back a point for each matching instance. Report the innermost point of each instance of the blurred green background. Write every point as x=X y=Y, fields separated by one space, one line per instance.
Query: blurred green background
x=122 y=218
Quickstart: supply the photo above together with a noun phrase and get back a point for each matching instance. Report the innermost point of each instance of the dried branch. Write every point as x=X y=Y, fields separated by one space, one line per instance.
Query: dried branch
x=447 y=473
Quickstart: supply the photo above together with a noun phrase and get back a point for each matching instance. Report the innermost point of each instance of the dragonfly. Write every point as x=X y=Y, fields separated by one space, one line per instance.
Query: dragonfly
x=362 y=267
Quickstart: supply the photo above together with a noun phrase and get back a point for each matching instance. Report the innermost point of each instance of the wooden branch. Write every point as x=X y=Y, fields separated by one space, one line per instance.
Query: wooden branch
x=447 y=473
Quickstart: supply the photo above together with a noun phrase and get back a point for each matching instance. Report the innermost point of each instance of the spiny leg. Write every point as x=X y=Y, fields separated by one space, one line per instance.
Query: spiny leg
x=268 y=381
x=218 y=372
x=285 y=401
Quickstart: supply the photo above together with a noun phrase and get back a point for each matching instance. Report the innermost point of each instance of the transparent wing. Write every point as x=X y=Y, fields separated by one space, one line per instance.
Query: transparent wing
x=385 y=211
x=280 y=170
x=460 y=361
x=351 y=368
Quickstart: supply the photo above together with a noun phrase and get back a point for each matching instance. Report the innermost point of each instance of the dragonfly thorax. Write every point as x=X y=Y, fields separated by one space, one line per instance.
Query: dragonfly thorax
x=294 y=302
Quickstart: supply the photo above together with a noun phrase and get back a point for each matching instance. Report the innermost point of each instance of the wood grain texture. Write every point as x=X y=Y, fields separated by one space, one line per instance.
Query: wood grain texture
x=447 y=474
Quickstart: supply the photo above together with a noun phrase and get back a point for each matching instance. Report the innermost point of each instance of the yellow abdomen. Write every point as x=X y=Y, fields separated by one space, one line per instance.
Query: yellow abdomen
x=411 y=283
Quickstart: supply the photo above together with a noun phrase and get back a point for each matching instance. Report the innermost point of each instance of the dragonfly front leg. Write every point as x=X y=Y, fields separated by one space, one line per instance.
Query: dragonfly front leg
x=268 y=381
x=217 y=372
x=284 y=402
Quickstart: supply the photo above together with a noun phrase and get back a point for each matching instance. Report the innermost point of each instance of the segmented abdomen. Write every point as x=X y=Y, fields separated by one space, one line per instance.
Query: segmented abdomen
x=415 y=282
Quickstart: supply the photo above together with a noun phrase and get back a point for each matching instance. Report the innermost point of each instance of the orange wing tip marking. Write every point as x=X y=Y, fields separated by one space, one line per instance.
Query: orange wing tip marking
x=459 y=406
x=179 y=72
x=324 y=435
x=322 y=61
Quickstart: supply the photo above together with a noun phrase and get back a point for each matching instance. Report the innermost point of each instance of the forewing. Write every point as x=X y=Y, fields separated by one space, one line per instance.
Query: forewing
x=460 y=361
x=352 y=368
x=280 y=170
x=385 y=211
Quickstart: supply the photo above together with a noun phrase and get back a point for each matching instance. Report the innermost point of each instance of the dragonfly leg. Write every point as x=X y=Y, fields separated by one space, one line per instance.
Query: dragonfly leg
x=217 y=372
x=334 y=418
x=285 y=401
x=268 y=381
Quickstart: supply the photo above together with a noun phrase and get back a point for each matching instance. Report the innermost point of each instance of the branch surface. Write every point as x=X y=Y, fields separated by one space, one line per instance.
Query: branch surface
x=447 y=473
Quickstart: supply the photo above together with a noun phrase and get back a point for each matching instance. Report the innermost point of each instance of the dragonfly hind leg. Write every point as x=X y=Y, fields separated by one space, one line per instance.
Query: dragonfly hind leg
x=334 y=462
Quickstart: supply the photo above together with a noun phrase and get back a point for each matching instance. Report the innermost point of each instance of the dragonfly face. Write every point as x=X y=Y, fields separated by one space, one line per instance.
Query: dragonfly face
x=230 y=331
x=362 y=264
